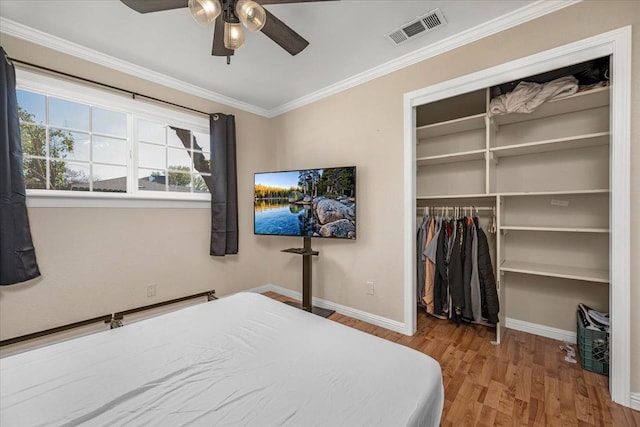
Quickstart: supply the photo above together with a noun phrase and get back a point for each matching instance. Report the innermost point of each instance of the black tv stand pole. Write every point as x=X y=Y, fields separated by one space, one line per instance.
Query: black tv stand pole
x=306 y=305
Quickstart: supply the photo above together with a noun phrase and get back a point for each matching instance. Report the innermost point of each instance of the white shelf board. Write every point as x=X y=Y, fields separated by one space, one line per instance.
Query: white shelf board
x=555 y=193
x=463 y=124
x=586 y=100
x=557 y=144
x=576 y=273
x=458 y=196
x=463 y=156
x=555 y=229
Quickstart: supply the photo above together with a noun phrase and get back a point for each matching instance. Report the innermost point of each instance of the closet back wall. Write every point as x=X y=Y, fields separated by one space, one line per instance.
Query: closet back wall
x=363 y=125
x=100 y=260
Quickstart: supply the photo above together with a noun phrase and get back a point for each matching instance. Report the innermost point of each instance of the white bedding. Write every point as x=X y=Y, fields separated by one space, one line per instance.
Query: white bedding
x=243 y=360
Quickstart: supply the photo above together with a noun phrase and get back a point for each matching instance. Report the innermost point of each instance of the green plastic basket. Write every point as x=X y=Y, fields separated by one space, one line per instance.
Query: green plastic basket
x=593 y=347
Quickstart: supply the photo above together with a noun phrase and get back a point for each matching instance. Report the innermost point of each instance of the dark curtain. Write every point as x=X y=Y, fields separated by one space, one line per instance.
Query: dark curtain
x=224 y=195
x=17 y=255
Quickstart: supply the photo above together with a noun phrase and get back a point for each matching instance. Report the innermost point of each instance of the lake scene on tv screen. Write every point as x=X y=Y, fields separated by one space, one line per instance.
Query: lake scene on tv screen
x=310 y=203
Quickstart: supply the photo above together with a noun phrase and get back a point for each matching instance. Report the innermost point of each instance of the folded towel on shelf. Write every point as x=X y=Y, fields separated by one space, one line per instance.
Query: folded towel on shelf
x=528 y=96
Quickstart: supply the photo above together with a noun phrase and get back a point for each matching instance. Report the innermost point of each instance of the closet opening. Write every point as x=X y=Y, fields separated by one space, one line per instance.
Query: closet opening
x=546 y=158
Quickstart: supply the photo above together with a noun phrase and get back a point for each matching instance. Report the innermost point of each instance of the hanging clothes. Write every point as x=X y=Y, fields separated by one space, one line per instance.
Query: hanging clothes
x=455 y=274
x=420 y=258
x=490 y=303
x=430 y=255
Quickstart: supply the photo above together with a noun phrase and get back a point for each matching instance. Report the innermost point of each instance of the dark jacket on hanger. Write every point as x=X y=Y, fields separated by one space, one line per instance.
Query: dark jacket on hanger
x=456 y=285
x=489 y=293
x=467 y=267
x=440 y=282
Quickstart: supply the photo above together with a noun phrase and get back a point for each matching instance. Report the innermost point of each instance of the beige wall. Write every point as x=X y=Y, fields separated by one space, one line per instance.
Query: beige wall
x=99 y=260
x=361 y=126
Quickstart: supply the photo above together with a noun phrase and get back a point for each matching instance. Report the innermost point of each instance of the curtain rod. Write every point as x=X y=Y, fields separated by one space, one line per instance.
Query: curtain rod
x=132 y=93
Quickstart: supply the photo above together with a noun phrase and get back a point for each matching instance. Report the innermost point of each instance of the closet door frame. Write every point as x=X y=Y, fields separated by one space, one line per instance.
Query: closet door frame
x=616 y=43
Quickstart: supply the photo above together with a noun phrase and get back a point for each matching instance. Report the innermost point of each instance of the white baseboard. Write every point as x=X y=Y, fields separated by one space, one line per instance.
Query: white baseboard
x=374 y=319
x=542 y=330
x=635 y=401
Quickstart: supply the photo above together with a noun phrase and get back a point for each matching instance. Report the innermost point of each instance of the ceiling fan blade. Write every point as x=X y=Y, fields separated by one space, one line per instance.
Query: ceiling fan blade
x=146 y=6
x=284 y=36
x=286 y=1
x=218 y=39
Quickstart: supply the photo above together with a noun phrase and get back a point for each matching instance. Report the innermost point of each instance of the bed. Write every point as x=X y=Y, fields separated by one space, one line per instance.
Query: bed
x=243 y=360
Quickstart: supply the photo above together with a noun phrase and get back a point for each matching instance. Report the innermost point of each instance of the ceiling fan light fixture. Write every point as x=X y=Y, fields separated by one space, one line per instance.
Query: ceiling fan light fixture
x=233 y=35
x=251 y=14
x=205 y=11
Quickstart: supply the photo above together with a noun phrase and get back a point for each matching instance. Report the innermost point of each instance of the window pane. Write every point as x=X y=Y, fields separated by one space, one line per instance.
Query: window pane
x=151 y=180
x=201 y=142
x=151 y=156
x=151 y=132
x=202 y=162
x=68 y=114
x=109 y=150
x=35 y=172
x=31 y=107
x=69 y=176
x=176 y=135
x=109 y=122
x=109 y=178
x=179 y=160
x=68 y=145
x=34 y=139
x=199 y=184
x=180 y=182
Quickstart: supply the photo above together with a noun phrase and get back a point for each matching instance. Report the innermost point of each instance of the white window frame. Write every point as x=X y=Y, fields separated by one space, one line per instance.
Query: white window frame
x=135 y=109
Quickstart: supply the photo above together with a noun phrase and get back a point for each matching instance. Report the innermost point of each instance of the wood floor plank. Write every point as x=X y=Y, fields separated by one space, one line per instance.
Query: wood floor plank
x=525 y=381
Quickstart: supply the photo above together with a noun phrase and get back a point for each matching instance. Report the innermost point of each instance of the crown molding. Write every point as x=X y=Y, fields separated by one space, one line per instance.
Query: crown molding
x=512 y=19
x=41 y=38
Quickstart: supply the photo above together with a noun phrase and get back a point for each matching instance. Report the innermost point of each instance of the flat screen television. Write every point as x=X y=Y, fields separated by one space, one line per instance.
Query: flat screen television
x=306 y=202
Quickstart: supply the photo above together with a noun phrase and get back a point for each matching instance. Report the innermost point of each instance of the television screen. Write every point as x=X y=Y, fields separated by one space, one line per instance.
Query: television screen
x=307 y=202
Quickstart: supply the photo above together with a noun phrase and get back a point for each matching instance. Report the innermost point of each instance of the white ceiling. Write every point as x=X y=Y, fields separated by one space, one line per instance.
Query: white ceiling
x=346 y=40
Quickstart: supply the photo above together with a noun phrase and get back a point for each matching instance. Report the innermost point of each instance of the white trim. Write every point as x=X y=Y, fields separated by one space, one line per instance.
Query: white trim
x=32 y=35
x=44 y=199
x=515 y=18
x=635 y=401
x=618 y=44
x=512 y=19
x=542 y=330
x=373 y=319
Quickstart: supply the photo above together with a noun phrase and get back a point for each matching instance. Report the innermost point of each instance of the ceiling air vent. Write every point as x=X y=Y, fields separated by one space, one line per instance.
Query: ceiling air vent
x=419 y=26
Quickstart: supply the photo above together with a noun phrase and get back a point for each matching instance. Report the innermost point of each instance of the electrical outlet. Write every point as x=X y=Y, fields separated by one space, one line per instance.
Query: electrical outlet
x=369 y=288
x=151 y=291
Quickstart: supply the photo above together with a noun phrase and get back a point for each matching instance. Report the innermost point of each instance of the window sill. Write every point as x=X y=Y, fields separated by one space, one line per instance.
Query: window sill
x=68 y=199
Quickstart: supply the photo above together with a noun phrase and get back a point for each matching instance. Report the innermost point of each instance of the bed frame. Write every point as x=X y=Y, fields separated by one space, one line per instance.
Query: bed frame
x=115 y=320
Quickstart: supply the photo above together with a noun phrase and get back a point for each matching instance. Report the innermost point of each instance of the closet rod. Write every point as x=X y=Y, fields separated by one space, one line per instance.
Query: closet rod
x=132 y=93
x=480 y=208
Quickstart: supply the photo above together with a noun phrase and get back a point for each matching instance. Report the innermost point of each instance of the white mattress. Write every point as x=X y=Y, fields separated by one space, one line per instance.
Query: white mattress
x=243 y=360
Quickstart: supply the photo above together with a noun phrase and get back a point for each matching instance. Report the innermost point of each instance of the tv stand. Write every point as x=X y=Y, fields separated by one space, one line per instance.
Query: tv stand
x=306 y=305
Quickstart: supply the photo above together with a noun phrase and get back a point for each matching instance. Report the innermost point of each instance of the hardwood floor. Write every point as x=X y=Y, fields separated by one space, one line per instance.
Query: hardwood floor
x=522 y=382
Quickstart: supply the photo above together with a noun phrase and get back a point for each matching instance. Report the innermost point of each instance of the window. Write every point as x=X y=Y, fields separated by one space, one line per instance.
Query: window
x=72 y=146
x=79 y=140
x=172 y=159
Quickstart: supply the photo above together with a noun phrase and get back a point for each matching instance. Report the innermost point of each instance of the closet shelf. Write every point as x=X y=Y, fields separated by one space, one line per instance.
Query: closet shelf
x=463 y=124
x=554 y=193
x=586 y=100
x=557 y=144
x=575 y=273
x=556 y=229
x=463 y=156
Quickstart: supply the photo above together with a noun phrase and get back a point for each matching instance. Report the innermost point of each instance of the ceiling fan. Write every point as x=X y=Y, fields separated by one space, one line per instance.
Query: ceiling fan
x=228 y=14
